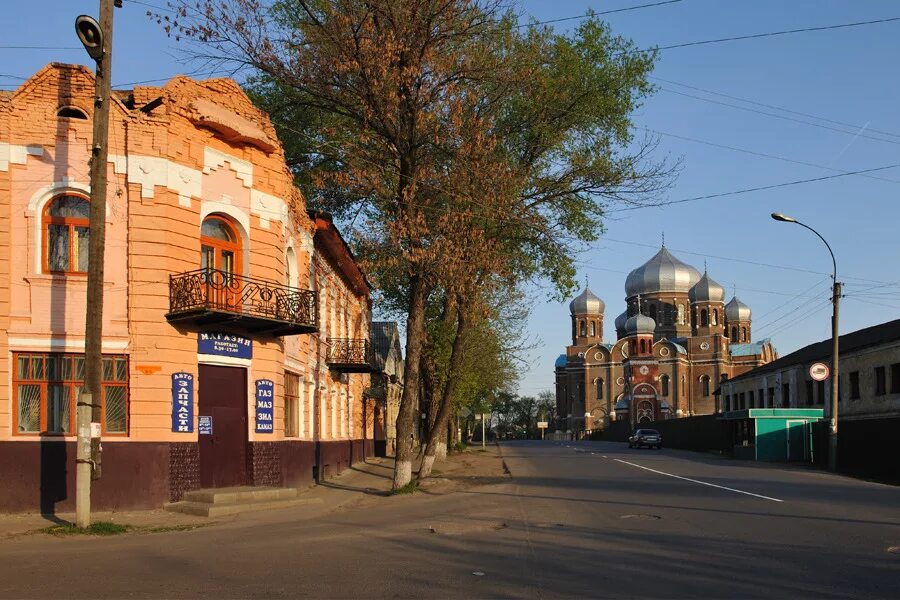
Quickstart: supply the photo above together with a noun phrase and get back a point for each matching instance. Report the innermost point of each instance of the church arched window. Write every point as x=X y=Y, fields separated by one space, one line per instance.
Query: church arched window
x=599 y=384
x=704 y=320
x=744 y=334
x=583 y=329
x=715 y=316
x=734 y=334
x=681 y=314
x=593 y=328
x=664 y=384
x=643 y=346
x=704 y=384
x=653 y=311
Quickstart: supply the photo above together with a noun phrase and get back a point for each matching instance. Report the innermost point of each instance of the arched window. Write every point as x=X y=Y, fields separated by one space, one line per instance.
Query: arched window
x=599 y=383
x=643 y=346
x=583 y=329
x=681 y=314
x=715 y=317
x=220 y=257
x=71 y=112
x=704 y=320
x=653 y=311
x=66 y=226
x=734 y=334
x=744 y=334
x=593 y=328
x=704 y=384
x=664 y=384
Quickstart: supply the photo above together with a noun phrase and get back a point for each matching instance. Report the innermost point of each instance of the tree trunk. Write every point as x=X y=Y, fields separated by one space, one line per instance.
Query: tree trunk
x=408 y=412
x=437 y=434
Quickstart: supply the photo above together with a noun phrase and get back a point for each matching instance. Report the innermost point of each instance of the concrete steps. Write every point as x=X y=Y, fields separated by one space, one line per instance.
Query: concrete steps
x=221 y=502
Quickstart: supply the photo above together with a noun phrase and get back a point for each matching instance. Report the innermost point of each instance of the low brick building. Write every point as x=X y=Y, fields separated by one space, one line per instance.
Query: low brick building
x=235 y=322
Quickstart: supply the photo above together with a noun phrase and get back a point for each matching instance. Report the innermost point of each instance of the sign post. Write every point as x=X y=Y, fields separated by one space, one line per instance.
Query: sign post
x=818 y=371
x=542 y=425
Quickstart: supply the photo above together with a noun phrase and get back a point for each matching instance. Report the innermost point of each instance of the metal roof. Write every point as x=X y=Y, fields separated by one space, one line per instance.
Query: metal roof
x=662 y=273
x=751 y=349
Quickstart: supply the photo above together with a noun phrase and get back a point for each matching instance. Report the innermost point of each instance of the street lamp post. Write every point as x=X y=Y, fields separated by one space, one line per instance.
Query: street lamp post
x=835 y=354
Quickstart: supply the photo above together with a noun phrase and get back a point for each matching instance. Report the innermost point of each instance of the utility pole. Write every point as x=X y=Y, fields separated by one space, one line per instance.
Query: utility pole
x=835 y=383
x=97 y=40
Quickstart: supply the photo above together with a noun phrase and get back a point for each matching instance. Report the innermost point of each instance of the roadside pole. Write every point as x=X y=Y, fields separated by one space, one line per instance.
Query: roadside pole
x=97 y=40
x=482 y=429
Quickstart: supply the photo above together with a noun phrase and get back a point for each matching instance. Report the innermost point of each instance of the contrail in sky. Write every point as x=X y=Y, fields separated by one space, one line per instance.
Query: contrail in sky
x=850 y=143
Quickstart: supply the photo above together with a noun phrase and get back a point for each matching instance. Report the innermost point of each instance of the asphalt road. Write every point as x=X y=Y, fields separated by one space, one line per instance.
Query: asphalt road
x=585 y=519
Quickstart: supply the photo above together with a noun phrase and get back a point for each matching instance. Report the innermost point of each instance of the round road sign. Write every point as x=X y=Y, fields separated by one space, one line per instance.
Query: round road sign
x=818 y=371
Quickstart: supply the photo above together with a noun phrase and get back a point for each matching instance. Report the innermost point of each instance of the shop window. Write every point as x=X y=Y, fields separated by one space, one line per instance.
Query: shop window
x=895 y=378
x=854 y=385
x=291 y=405
x=65 y=231
x=880 y=387
x=46 y=387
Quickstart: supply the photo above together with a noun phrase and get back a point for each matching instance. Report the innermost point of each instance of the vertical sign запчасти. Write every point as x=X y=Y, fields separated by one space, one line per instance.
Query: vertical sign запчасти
x=182 y=403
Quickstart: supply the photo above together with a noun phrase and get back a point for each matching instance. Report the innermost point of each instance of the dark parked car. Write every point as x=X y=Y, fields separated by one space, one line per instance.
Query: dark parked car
x=645 y=437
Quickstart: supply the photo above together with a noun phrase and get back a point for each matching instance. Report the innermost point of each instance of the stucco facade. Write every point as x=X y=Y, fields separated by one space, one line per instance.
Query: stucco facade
x=869 y=379
x=181 y=157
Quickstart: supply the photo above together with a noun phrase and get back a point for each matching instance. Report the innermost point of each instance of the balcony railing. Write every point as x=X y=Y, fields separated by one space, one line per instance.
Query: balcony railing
x=213 y=297
x=350 y=355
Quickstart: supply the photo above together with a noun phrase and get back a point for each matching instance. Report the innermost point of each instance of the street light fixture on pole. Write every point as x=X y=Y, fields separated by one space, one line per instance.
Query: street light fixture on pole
x=835 y=354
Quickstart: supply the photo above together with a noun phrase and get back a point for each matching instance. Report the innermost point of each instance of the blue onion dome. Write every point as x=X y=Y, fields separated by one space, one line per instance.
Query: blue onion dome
x=620 y=321
x=662 y=273
x=561 y=361
x=640 y=324
x=707 y=290
x=587 y=303
x=621 y=405
x=736 y=310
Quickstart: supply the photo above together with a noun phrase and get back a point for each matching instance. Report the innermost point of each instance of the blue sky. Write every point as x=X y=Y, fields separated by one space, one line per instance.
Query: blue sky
x=847 y=76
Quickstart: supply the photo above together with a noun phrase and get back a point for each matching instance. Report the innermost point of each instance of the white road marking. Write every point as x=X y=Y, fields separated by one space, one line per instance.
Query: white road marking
x=721 y=487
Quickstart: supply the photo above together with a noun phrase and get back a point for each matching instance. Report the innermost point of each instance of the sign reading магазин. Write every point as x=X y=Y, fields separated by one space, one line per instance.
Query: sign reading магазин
x=225 y=344
x=265 y=403
x=182 y=403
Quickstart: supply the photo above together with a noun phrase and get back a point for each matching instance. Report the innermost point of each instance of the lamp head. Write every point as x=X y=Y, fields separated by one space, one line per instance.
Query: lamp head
x=91 y=35
x=785 y=218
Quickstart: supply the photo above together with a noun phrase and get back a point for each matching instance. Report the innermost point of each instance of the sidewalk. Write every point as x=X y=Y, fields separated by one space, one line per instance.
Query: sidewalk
x=363 y=483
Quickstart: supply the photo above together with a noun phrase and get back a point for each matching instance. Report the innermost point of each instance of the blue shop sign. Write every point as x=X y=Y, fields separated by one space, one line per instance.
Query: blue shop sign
x=182 y=403
x=225 y=344
x=265 y=403
x=204 y=425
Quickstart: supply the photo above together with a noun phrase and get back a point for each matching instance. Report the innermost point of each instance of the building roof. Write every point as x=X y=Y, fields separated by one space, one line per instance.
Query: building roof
x=561 y=361
x=751 y=349
x=662 y=273
x=849 y=342
x=587 y=303
x=707 y=290
x=736 y=310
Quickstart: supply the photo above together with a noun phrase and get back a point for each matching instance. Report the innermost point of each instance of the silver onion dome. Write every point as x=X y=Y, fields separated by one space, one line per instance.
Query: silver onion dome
x=736 y=310
x=620 y=321
x=662 y=273
x=707 y=290
x=640 y=324
x=587 y=303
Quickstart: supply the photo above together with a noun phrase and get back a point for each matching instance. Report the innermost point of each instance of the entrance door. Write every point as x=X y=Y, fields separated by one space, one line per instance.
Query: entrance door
x=796 y=440
x=223 y=455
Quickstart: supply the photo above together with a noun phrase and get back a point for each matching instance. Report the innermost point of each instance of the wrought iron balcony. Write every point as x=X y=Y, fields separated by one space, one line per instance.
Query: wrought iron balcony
x=350 y=355
x=212 y=297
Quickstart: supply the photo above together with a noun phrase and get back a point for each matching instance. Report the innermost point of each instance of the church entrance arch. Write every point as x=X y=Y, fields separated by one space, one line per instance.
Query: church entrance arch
x=645 y=412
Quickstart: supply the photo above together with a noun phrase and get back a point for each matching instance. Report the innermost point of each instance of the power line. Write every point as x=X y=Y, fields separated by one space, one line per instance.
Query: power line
x=771 y=106
x=754 y=189
x=40 y=48
x=783 y=117
x=763 y=154
x=605 y=12
x=774 y=33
